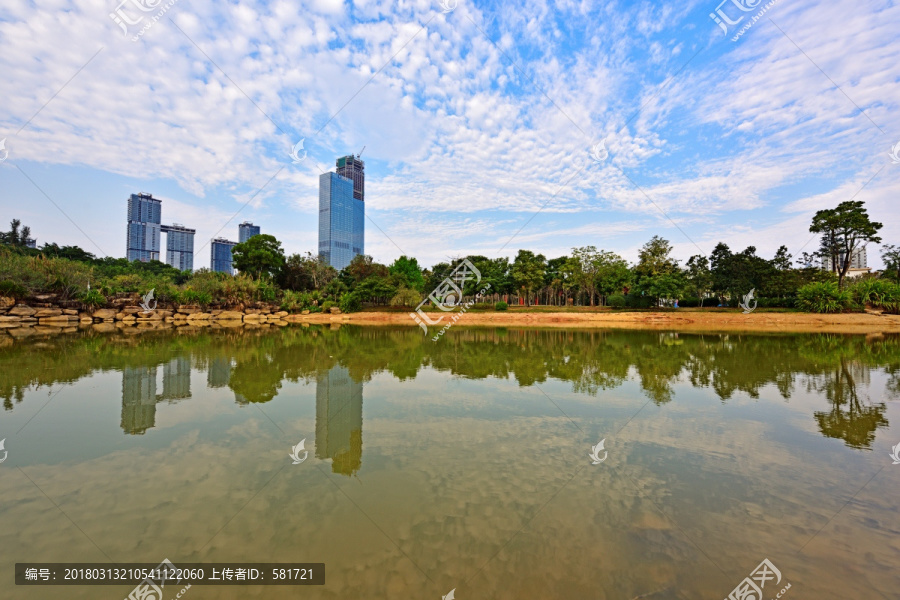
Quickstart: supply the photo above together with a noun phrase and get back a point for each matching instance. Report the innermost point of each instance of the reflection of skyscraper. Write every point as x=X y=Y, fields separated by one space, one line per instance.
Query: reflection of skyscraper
x=177 y=379
x=218 y=373
x=138 y=399
x=339 y=420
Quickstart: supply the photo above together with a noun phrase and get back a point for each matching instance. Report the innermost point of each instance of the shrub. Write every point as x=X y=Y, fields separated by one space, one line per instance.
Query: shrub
x=501 y=305
x=406 y=297
x=880 y=293
x=190 y=296
x=616 y=301
x=93 y=298
x=326 y=306
x=635 y=301
x=350 y=303
x=265 y=291
x=291 y=301
x=823 y=297
x=12 y=289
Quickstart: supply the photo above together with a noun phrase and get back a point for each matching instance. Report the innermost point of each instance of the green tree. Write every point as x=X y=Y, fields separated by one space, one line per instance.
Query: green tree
x=699 y=276
x=890 y=254
x=308 y=272
x=527 y=272
x=15 y=237
x=657 y=273
x=844 y=230
x=407 y=273
x=363 y=266
x=260 y=256
x=613 y=274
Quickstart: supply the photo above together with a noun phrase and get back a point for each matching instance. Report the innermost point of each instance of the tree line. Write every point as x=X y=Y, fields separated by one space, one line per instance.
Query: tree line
x=588 y=276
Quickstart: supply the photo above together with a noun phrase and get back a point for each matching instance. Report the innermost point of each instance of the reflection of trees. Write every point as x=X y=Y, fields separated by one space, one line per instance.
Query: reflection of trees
x=254 y=363
x=857 y=424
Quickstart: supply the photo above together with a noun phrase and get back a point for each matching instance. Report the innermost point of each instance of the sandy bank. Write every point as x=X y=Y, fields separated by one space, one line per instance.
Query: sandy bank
x=865 y=323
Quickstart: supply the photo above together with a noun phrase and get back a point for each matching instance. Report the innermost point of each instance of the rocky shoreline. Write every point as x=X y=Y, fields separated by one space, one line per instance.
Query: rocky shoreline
x=20 y=319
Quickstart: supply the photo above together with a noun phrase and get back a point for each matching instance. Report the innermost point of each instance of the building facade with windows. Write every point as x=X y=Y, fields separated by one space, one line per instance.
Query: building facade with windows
x=353 y=169
x=179 y=246
x=341 y=221
x=144 y=227
x=859 y=263
x=220 y=259
x=247 y=230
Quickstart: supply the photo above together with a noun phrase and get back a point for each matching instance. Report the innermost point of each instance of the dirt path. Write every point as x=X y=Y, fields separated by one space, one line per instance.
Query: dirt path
x=685 y=321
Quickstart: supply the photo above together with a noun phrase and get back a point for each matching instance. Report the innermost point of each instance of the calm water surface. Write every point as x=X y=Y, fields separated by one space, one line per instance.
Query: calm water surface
x=461 y=464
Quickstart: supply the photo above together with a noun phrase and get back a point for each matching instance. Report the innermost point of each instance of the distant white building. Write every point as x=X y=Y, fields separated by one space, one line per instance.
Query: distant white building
x=859 y=263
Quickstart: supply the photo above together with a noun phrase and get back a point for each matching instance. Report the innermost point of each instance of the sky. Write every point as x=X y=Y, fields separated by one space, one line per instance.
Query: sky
x=486 y=126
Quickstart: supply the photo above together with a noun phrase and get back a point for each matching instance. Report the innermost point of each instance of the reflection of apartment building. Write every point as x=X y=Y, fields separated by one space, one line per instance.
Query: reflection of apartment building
x=139 y=397
x=218 y=372
x=177 y=379
x=339 y=420
x=218 y=375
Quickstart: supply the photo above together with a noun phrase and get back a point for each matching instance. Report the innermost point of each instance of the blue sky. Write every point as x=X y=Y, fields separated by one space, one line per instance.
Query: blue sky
x=478 y=119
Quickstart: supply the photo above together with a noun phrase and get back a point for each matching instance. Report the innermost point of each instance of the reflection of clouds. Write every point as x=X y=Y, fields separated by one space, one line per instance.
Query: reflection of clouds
x=455 y=466
x=452 y=491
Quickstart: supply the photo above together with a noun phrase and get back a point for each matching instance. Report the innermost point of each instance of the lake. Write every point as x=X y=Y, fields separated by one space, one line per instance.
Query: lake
x=460 y=465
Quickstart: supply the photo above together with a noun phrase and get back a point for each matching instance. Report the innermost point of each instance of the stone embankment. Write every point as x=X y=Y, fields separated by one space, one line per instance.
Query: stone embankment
x=24 y=319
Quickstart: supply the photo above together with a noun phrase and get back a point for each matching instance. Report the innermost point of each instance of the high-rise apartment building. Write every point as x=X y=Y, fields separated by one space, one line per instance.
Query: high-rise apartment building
x=353 y=169
x=179 y=246
x=220 y=256
x=858 y=261
x=247 y=230
x=341 y=221
x=144 y=219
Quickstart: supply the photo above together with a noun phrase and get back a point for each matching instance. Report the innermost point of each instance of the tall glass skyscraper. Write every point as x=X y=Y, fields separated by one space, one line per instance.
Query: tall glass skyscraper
x=179 y=246
x=144 y=218
x=220 y=256
x=247 y=230
x=341 y=221
x=355 y=170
